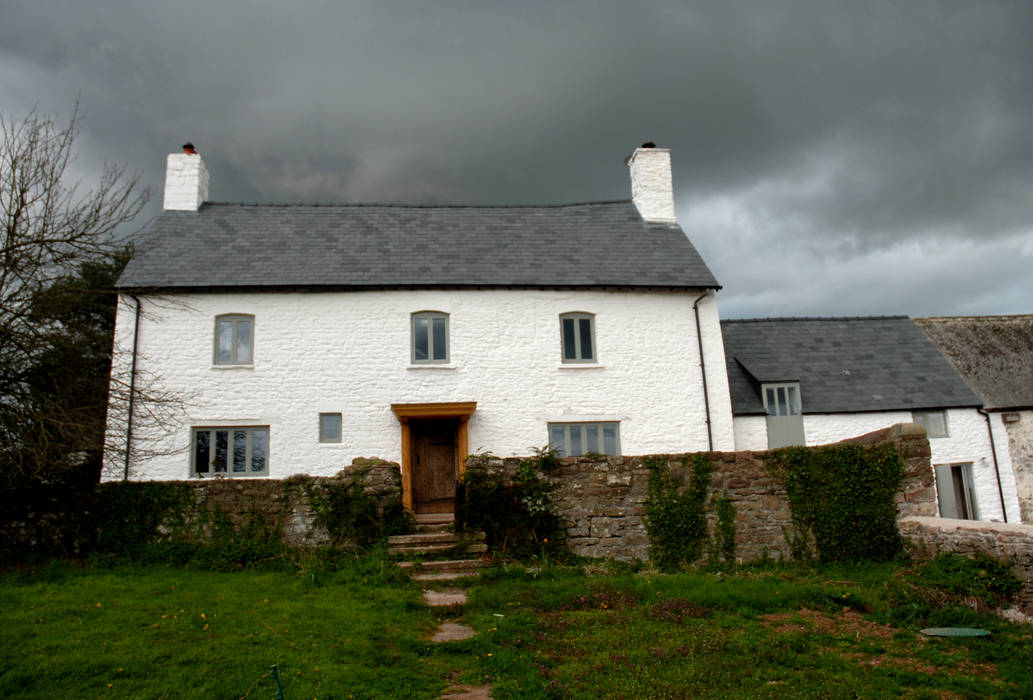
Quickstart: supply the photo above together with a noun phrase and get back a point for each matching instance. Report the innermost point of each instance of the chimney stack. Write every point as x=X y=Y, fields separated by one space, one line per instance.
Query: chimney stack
x=652 y=190
x=186 y=180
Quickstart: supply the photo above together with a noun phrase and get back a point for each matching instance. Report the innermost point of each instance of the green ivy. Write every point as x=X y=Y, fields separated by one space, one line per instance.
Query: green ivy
x=843 y=497
x=724 y=533
x=676 y=519
x=353 y=517
x=517 y=515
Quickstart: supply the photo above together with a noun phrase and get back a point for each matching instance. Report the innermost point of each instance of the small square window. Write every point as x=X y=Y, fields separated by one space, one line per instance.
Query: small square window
x=577 y=337
x=573 y=439
x=429 y=337
x=329 y=427
x=237 y=451
x=234 y=339
x=934 y=422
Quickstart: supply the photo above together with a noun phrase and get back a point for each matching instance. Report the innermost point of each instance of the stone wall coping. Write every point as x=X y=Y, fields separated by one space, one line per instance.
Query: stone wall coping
x=974 y=525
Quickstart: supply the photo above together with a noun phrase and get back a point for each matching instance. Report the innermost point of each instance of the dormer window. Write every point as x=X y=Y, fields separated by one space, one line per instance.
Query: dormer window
x=577 y=332
x=430 y=337
x=784 y=408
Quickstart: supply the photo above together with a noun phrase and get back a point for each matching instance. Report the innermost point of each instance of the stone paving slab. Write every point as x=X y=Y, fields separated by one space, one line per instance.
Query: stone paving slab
x=453 y=632
x=468 y=692
x=451 y=596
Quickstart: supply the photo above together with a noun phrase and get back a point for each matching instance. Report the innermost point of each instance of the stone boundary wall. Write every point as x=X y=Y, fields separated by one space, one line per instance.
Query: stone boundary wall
x=61 y=521
x=1012 y=543
x=284 y=503
x=603 y=499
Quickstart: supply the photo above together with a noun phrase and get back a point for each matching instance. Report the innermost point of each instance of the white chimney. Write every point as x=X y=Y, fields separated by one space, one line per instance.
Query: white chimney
x=186 y=180
x=651 y=187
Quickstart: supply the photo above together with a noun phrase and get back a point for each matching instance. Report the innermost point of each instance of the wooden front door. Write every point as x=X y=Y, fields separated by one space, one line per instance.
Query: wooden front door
x=434 y=465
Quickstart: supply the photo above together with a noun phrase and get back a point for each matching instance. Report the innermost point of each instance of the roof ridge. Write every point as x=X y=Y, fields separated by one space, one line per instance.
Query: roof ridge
x=977 y=317
x=814 y=318
x=397 y=205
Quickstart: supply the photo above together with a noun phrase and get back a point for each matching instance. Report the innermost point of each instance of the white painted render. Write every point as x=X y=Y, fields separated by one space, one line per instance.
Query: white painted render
x=186 y=182
x=349 y=352
x=652 y=187
x=1017 y=426
x=969 y=441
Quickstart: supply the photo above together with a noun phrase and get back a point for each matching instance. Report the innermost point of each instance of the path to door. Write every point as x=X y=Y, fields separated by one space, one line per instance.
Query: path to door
x=453 y=598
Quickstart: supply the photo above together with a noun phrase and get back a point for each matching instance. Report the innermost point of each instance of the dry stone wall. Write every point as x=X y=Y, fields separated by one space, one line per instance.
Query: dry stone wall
x=1011 y=543
x=602 y=499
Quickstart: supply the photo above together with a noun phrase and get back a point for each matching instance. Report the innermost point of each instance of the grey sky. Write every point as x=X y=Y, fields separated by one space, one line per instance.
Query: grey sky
x=829 y=158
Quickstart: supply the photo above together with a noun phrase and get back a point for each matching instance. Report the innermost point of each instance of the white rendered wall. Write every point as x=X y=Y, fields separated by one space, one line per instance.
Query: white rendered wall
x=969 y=441
x=652 y=185
x=1019 y=447
x=350 y=353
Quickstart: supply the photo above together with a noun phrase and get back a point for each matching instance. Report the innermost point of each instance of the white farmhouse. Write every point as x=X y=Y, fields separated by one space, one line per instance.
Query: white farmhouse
x=994 y=354
x=299 y=337
x=814 y=381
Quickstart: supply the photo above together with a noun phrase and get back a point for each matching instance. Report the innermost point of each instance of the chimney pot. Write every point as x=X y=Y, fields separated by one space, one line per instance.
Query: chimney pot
x=188 y=148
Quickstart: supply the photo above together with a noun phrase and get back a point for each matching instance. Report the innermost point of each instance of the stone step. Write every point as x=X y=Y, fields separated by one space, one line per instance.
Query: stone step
x=472 y=548
x=435 y=538
x=443 y=565
x=434 y=518
x=446 y=575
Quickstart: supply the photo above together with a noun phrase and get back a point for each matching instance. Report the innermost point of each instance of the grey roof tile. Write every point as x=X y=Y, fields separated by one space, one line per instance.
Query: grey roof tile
x=993 y=353
x=361 y=246
x=844 y=365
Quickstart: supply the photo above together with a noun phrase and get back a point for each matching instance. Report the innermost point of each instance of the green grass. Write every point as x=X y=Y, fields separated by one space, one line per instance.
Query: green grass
x=360 y=631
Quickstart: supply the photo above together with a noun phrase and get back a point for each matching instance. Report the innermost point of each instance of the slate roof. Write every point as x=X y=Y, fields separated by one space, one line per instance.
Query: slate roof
x=993 y=353
x=233 y=246
x=844 y=365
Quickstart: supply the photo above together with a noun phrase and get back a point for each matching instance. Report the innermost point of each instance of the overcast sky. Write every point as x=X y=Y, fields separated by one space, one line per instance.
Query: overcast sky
x=852 y=158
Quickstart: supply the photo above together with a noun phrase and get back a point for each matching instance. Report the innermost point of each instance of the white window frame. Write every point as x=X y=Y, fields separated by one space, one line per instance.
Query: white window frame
x=577 y=317
x=235 y=320
x=931 y=429
x=583 y=430
x=324 y=436
x=429 y=317
x=793 y=402
x=230 y=430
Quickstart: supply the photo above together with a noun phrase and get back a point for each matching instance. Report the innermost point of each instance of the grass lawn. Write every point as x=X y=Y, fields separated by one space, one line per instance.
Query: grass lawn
x=581 y=632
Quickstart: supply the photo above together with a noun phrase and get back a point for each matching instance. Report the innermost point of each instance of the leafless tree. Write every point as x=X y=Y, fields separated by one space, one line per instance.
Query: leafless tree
x=49 y=227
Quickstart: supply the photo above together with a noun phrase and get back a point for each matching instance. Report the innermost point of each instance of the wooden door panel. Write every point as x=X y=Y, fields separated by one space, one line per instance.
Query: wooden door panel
x=434 y=465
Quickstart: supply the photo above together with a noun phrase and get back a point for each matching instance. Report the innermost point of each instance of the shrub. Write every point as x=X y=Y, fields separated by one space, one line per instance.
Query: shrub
x=516 y=515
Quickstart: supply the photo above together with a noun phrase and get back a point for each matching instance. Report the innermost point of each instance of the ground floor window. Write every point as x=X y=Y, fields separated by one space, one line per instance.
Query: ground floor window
x=242 y=451
x=954 y=491
x=573 y=439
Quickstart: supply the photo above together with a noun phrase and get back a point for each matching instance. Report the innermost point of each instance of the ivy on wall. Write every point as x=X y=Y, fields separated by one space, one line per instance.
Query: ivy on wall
x=842 y=497
x=517 y=515
x=179 y=522
x=675 y=518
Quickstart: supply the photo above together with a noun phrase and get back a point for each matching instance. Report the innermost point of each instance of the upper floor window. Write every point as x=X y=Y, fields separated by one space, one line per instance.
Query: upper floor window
x=429 y=337
x=231 y=451
x=573 y=439
x=234 y=339
x=934 y=422
x=577 y=331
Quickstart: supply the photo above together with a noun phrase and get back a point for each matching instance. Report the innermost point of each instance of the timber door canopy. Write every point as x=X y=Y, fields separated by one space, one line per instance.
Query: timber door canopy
x=407 y=412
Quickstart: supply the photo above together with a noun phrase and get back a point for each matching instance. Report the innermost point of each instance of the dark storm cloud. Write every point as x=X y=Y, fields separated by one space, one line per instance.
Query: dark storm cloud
x=829 y=157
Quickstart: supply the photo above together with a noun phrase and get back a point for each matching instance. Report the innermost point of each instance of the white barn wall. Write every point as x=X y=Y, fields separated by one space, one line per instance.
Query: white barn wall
x=349 y=352
x=969 y=441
